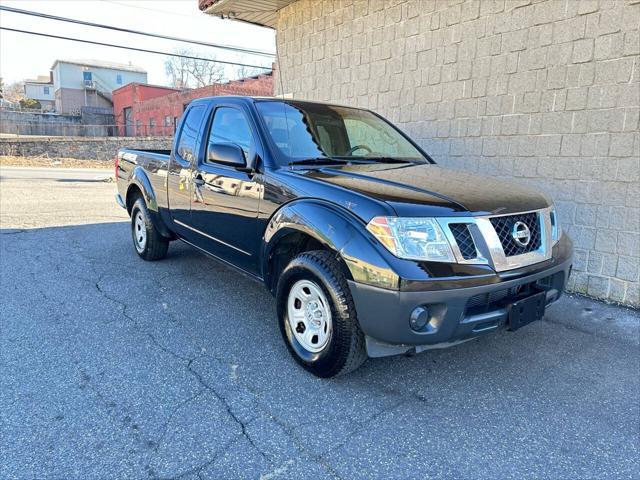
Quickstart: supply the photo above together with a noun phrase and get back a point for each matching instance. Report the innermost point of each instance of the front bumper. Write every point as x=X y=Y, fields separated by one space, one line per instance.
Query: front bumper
x=455 y=315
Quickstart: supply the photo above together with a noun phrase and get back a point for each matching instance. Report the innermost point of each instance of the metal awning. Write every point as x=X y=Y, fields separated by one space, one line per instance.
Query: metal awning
x=260 y=12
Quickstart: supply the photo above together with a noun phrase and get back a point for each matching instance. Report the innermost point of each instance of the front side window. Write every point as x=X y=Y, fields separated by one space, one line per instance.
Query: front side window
x=231 y=126
x=189 y=134
x=46 y=90
x=304 y=131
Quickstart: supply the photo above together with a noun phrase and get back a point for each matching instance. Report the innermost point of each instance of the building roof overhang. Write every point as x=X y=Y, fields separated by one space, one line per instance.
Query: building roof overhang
x=258 y=12
x=101 y=64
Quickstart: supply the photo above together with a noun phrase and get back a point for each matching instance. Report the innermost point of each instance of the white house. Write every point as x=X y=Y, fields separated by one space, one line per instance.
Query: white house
x=41 y=89
x=79 y=83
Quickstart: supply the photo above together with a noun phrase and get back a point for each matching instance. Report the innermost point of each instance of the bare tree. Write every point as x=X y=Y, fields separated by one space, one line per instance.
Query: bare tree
x=243 y=71
x=206 y=73
x=177 y=70
x=14 y=92
x=189 y=72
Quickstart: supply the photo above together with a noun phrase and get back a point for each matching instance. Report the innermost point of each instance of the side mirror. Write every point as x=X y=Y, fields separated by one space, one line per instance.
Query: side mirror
x=227 y=153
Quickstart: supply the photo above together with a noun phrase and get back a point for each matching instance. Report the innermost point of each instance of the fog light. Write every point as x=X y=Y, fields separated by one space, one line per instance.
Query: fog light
x=419 y=318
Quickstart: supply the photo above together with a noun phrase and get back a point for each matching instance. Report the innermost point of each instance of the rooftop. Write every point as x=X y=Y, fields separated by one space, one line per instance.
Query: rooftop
x=149 y=85
x=127 y=67
x=40 y=79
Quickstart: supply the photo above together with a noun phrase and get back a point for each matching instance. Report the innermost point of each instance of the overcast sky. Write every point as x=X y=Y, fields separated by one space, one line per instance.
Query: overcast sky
x=26 y=56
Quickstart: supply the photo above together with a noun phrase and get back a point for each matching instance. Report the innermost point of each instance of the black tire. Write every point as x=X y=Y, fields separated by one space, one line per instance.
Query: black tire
x=155 y=245
x=345 y=350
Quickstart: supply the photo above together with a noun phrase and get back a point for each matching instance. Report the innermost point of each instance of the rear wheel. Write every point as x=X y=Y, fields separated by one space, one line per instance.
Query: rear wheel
x=317 y=316
x=148 y=242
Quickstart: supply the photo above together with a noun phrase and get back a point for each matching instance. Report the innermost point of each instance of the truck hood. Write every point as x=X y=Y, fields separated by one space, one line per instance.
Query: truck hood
x=430 y=190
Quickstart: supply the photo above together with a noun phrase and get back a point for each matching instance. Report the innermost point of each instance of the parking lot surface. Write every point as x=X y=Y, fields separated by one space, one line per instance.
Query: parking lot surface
x=112 y=367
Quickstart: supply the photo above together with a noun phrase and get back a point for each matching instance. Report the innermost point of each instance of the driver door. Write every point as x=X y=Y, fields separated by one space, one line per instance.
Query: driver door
x=225 y=201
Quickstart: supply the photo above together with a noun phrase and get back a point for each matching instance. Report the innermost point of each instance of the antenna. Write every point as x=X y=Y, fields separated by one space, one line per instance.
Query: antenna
x=280 y=72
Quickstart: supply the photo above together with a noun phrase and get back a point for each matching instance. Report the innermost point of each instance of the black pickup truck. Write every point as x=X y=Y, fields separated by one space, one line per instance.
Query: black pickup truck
x=369 y=248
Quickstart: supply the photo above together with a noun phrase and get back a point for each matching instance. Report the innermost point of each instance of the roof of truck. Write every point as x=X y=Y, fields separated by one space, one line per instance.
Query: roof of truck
x=250 y=99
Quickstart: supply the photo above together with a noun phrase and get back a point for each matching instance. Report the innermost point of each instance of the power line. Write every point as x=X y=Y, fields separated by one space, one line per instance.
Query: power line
x=135 y=32
x=167 y=12
x=136 y=49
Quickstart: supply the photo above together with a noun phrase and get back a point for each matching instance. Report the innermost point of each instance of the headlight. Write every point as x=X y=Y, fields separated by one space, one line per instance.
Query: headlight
x=412 y=238
x=556 y=231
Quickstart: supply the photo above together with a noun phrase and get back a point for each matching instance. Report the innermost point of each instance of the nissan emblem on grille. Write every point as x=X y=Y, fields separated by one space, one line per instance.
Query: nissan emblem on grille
x=521 y=234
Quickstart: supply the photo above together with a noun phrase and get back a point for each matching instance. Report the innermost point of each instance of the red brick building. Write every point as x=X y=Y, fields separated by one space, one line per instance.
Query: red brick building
x=148 y=110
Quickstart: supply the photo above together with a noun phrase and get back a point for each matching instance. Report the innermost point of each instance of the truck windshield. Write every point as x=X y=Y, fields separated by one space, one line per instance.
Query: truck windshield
x=308 y=131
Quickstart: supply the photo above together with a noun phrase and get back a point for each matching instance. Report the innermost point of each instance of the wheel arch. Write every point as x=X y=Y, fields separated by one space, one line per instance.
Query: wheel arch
x=315 y=224
x=140 y=181
x=133 y=192
x=140 y=186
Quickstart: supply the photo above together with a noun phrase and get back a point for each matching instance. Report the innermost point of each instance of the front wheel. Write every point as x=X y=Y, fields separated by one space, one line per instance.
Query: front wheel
x=317 y=316
x=148 y=242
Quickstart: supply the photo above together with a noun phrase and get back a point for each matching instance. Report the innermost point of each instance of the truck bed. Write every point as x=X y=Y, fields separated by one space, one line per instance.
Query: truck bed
x=151 y=153
x=154 y=162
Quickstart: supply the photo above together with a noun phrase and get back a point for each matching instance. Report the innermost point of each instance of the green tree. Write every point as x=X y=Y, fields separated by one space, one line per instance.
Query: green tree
x=13 y=92
x=30 y=103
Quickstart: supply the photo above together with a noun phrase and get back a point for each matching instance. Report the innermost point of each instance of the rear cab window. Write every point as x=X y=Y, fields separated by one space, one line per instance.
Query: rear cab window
x=189 y=134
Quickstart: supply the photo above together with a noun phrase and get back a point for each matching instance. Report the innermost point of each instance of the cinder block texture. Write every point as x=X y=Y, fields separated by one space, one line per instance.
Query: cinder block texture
x=543 y=92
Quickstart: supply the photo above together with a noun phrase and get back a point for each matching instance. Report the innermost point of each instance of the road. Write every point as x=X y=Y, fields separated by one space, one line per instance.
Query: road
x=112 y=367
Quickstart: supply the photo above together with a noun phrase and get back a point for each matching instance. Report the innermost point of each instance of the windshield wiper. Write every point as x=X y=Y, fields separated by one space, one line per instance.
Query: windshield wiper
x=318 y=161
x=374 y=159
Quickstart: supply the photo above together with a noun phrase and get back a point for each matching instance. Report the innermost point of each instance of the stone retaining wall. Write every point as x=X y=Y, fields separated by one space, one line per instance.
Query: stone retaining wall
x=82 y=148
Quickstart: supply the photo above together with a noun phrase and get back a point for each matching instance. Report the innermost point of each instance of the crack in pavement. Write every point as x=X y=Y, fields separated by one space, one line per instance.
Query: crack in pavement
x=197 y=470
x=227 y=405
x=133 y=430
x=123 y=307
x=165 y=430
x=243 y=426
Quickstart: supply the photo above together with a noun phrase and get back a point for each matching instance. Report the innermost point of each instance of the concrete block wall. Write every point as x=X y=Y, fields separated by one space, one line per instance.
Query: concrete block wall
x=543 y=92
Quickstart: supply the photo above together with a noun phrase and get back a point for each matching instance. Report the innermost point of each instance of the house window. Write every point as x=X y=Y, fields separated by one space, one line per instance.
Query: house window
x=119 y=79
x=138 y=127
x=46 y=90
x=152 y=126
x=167 y=121
x=86 y=76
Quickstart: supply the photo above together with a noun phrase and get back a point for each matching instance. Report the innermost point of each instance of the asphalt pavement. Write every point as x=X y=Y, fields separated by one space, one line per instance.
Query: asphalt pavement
x=111 y=367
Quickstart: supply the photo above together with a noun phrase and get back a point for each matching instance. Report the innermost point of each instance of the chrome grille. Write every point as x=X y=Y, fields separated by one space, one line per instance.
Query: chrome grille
x=492 y=238
x=504 y=226
x=464 y=240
